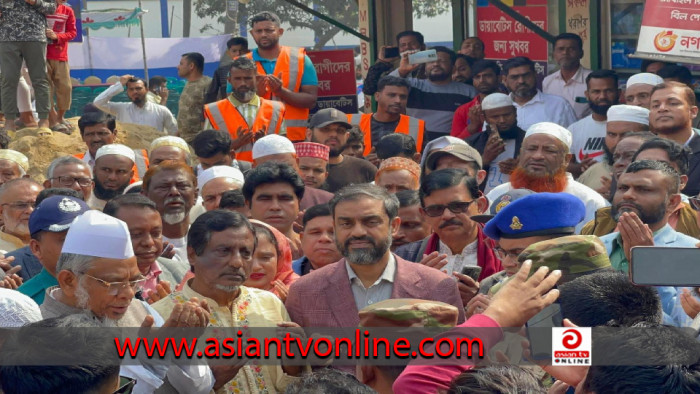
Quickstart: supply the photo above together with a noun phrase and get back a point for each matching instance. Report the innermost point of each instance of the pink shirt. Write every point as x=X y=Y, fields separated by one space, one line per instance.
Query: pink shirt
x=422 y=379
x=149 y=285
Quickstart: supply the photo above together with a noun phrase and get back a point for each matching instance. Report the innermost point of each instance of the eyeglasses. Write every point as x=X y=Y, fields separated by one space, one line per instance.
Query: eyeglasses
x=68 y=181
x=454 y=207
x=113 y=288
x=125 y=388
x=20 y=205
x=504 y=254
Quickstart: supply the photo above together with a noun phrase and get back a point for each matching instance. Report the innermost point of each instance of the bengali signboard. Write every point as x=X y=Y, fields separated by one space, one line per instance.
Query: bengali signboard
x=578 y=21
x=336 y=80
x=506 y=38
x=670 y=29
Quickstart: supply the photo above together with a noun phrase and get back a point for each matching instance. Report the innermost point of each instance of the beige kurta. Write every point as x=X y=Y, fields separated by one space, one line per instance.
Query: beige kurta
x=591 y=177
x=9 y=243
x=252 y=308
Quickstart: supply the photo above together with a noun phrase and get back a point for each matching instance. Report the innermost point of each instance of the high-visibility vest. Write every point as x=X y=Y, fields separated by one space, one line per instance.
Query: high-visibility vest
x=224 y=116
x=290 y=63
x=407 y=125
x=140 y=166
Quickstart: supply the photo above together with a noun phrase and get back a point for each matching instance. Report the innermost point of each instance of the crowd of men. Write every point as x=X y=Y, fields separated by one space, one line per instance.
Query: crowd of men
x=463 y=201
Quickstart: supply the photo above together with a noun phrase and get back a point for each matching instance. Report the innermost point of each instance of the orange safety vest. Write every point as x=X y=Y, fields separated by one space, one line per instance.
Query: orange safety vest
x=290 y=63
x=224 y=116
x=407 y=125
x=140 y=166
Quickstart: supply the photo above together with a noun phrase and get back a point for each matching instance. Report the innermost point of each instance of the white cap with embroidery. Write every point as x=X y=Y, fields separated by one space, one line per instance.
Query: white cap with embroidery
x=220 y=172
x=644 y=78
x=552 y=129
x=272 y=144
x=628 y=113
x=116 y=149
x=496 y=100
x=96 y=234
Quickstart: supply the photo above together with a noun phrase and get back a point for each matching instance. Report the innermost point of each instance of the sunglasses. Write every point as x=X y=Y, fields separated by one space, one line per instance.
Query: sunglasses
x=454 y=207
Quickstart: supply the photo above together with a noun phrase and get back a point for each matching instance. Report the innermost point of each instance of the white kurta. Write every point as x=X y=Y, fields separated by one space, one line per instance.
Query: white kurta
x=154 y=115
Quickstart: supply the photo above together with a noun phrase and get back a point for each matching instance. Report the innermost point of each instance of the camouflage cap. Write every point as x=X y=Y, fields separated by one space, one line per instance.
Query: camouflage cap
x=573 y=255
x=409 y=312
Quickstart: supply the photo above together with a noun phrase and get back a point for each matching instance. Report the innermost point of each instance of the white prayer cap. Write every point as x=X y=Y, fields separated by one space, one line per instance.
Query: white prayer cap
x=116 y=149
x=219 y=172
x=16 y=309
x=552 y=129
x=628 y=113
x=439 y=143
x=96 y=234
x=17 y=157
x=496 y=100
x=169 y=140
x=272 y=144
x=644 y=78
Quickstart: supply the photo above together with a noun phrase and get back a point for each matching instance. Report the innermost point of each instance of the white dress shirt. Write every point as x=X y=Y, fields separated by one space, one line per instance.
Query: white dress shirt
x=154 y=115
x=570 y=90
x=544 y=108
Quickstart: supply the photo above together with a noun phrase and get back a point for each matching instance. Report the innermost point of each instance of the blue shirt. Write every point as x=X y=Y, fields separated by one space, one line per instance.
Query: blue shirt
x=35 y=288
x=670 y=296
x=308 y=78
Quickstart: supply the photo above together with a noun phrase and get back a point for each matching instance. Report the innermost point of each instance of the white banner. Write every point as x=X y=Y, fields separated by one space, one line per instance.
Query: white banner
x=116 y=53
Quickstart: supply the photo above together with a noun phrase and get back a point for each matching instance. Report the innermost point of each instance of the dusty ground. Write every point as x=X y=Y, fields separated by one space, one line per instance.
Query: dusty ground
x=41 y=149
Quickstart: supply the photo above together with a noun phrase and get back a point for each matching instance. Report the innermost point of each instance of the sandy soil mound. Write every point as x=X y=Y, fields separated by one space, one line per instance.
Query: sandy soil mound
x=42 y=150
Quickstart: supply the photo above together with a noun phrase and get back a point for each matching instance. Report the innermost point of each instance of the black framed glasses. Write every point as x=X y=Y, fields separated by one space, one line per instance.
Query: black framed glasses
x=126 y=385
x=68 y=181
x=454 y=207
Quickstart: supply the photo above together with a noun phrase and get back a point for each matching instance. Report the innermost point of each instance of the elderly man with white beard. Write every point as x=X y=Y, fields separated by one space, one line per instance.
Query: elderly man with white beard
x=98 y=276
x=173 y=187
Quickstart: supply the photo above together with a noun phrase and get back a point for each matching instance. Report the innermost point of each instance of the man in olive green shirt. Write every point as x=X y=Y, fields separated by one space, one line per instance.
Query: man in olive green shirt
x=190 y=114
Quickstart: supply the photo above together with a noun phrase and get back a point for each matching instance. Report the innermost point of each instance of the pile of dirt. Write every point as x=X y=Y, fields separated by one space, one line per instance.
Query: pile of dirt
x=43 y=149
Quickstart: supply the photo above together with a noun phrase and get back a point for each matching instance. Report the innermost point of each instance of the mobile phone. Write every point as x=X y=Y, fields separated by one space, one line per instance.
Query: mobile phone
x=472 y=271
x=423 y=57
x=390 y=52
x=664 y=266
x=540 y=338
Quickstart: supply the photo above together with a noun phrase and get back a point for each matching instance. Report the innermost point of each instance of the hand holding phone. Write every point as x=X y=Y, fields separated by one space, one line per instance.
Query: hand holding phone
x=390 y=53
x=423 y=57
x=472 y=271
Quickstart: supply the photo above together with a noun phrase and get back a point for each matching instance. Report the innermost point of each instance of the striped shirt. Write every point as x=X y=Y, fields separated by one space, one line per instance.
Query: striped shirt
x=436 y=104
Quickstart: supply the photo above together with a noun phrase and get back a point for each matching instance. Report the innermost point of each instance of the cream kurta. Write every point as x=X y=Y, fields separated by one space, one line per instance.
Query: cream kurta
x=252 y=308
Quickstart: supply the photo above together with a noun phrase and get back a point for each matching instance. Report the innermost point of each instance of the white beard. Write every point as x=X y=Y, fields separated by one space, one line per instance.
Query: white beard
x=174 y=218
x=228 y=289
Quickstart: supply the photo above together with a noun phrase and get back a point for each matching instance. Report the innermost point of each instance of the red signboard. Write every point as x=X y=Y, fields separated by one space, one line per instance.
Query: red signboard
x=671 y=28
x=336 y=79
x=506 y=38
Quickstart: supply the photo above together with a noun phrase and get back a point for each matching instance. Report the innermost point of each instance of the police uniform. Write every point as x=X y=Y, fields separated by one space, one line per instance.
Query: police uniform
x=528 y=215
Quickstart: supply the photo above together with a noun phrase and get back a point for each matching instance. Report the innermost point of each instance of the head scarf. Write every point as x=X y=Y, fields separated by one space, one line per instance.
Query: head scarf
x=284 y=274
